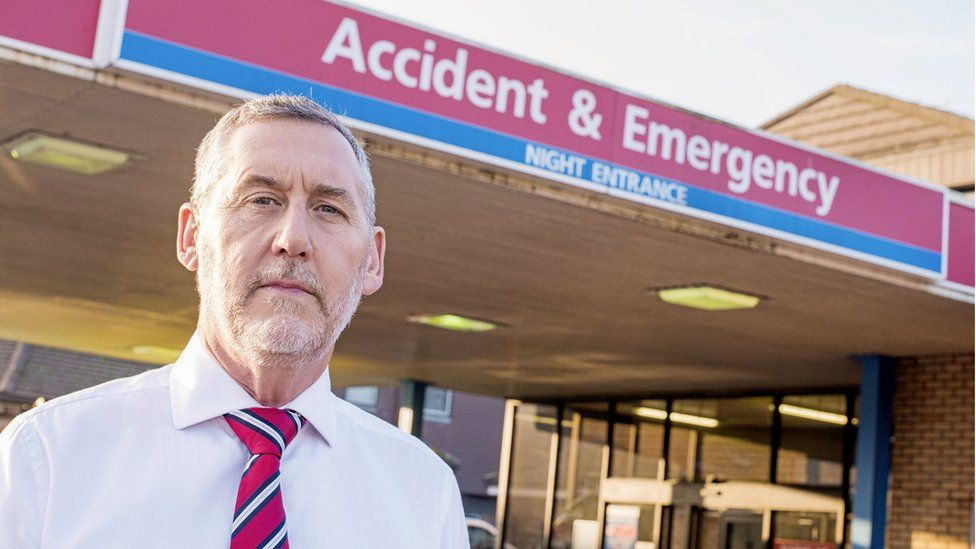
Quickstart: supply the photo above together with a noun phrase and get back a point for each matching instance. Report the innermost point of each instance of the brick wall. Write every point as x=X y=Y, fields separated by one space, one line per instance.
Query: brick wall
x=931 y=490
x=472 y=435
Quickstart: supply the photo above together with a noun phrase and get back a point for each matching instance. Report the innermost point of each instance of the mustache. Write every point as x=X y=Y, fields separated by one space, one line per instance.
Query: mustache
x=290 y=271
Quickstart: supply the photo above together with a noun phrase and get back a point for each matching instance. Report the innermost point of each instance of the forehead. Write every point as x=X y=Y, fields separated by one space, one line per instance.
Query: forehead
x=292 y=149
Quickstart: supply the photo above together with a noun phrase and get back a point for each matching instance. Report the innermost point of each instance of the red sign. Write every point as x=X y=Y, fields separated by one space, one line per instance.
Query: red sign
x=961 y=243
x=64 y=26
x=453 y=94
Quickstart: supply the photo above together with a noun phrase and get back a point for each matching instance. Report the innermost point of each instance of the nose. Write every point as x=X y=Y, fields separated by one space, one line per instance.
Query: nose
x=293 y=239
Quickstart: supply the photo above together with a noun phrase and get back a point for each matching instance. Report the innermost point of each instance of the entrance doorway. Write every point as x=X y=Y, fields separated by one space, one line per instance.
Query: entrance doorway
x=648 y=514
x=733 y=529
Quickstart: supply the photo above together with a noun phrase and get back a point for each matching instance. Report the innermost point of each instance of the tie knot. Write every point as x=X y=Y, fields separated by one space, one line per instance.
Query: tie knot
x=265 y=430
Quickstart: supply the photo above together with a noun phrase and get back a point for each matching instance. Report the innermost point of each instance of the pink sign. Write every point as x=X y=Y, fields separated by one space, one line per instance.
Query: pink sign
x=731 y=161
x=444 y=92
x=961 y=243
x=66 y=26
x=388 y=60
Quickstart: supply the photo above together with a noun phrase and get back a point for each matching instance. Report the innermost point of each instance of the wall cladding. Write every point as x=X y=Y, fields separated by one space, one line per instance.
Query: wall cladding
x=931 y=490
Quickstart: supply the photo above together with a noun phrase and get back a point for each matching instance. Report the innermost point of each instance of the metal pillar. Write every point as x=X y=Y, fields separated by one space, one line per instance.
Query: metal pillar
x=504 y=470
x=410 y=419
x=873 y=457
x=606 y=469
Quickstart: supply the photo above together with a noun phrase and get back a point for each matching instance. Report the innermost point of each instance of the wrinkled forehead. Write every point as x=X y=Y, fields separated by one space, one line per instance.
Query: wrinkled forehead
x=291 y=152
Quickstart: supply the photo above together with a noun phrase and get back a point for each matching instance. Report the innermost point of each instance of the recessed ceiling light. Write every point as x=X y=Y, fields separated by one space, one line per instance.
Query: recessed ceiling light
x=651 y=413
x=64 y=154
x=707 y=298
x=677 y=417
x=453 y=322
x=810 y=413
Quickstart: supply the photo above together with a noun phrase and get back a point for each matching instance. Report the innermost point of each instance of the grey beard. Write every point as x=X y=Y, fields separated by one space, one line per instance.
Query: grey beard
x=281 y=340
x=285 y=341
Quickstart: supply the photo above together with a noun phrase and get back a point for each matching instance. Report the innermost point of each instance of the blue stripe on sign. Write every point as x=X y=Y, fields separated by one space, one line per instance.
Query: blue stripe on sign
x=245 y=76
x=851 y=239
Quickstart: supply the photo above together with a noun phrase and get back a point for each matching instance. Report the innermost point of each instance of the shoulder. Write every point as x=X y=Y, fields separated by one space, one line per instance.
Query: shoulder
x=120 y=398
x=362 y=428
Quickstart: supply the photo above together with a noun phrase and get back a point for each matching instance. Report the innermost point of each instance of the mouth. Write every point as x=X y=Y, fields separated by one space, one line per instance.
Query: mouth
x=287 y=287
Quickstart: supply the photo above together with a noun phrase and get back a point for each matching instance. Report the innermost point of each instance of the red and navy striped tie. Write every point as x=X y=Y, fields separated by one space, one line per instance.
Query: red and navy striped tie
x=259 y=515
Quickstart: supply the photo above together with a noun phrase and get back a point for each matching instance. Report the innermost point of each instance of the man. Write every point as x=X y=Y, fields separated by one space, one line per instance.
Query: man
x=243 y=430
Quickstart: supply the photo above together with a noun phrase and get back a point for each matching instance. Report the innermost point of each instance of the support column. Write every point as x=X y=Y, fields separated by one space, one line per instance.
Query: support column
x=410 y=419
x=873 y=458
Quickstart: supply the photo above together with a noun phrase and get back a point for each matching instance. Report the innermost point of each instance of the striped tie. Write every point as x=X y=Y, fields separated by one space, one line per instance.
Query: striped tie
x=259 y=515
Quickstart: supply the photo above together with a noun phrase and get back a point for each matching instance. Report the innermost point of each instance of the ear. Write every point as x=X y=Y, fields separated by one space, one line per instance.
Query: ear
x=186 y=237
x=373 y=278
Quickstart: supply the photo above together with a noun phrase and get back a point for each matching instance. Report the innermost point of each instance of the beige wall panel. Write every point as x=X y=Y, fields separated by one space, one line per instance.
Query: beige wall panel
x=867 y=118
x=893 y=135
x=860 y=146
x=856 y=140
x=950 y=165
x=869 y=132
x=828 y=108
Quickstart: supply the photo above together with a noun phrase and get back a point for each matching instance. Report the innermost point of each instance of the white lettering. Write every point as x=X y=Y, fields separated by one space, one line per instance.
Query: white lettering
x=739 y=167
x=828 y=190
x=806 y=176
x=345 y=43
x=718 y=149
x=634 y=127
x=671 y=140
x=786 y=172
x=454 y=68
x=537 y=92
x=400 y=61
x=447 y=76
x=480 y=88
x=633 y=182
x=553 y=160
x=762 y=172
x=376 y=51
x=426 y=64
x=698 y=152
x=506 y=85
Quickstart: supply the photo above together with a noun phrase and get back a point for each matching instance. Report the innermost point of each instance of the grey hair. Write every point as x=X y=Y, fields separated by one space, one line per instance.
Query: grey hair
x=212 y=157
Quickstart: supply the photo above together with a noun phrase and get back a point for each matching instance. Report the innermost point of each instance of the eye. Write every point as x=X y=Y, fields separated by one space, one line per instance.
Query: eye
x=326 y=208
x=264 y=201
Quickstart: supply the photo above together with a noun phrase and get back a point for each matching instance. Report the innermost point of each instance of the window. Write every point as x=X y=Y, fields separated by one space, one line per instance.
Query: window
x=811 y=451
x=365 y=397
x=727 y=439
x=437 y=404
x=580 y=472
x=533 y=432
x=638 y=437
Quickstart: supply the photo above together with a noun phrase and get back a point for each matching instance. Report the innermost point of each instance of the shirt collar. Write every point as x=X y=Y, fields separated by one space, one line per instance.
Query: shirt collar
x=200 y=390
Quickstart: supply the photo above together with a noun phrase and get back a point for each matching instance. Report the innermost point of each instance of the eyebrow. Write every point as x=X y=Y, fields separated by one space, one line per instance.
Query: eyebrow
x=318 y=189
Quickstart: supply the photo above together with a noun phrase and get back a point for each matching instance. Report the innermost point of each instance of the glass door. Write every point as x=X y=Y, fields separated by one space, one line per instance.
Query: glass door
x=741 y=530
x=732 y=529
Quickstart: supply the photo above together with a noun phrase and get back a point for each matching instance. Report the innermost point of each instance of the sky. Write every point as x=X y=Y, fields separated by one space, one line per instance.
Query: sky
x=744 y=62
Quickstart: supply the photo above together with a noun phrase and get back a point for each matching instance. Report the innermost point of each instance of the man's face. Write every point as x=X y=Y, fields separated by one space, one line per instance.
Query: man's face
x=284 y=247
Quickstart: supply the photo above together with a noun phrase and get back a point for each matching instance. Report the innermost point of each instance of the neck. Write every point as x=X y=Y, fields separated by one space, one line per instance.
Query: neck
x=272 y=380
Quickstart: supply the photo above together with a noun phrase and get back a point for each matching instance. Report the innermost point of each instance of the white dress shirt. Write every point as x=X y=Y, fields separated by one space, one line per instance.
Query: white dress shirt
x=149 y=461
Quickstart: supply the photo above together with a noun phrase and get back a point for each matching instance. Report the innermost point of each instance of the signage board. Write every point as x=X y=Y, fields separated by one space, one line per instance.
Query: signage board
x=445 y=93
x=959 y=233
x=60 y=29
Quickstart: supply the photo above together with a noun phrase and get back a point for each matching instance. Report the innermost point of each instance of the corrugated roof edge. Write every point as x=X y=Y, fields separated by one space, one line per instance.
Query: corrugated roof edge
x=881 y=100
